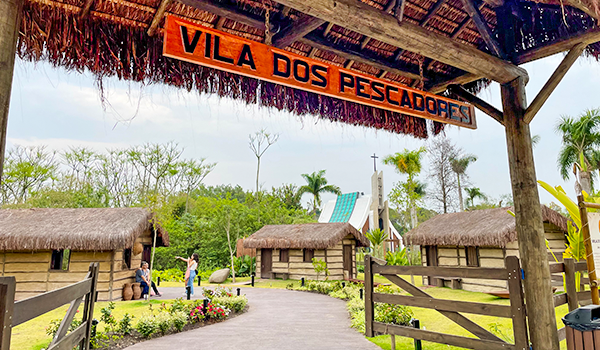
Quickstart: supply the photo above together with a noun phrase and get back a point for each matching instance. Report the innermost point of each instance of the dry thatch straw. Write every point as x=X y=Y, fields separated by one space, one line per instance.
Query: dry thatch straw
x=309 y=236
x=96 y=229
x=489 y=227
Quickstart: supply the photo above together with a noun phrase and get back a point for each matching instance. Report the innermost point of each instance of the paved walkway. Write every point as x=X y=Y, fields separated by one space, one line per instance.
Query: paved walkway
x=277 y=319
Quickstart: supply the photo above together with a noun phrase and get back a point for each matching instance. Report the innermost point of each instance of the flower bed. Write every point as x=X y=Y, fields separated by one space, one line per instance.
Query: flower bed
x=386 y=313
x=168 y=318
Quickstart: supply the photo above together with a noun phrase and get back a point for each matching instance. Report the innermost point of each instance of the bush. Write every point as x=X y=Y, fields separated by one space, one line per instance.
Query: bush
x=217 y=292
x=347 y=293
x=179 y=320
x=147 y=326
x=393 y=314
x=197 y=314
x=125 y=326
x=216 y=312
x=234 y=303
x=170 y=275
x=323 y=287
x=52 y=329
x=163 y=322
x=244 y=265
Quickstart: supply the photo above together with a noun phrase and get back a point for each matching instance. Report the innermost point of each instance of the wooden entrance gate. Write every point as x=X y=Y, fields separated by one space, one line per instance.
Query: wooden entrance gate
x=452 y=309
x=14 y=313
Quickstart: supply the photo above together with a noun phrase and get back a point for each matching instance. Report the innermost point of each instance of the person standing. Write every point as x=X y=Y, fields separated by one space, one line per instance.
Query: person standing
x=191 y=272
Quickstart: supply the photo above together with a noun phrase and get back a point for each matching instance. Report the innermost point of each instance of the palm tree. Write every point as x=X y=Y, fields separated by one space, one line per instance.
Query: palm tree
x=317 y=184
x=408 y=163
x=459 y=166
x=579 y=137
x=377 y=238
x=472 y=193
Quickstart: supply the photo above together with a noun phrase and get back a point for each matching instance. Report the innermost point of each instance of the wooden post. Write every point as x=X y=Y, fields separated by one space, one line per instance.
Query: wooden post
x=517 y=304
x=10 y=19
x=369 y=304
x=589 y=254
x=530 y=228
x=570 y=286
x=7 y=300
x=88 y=309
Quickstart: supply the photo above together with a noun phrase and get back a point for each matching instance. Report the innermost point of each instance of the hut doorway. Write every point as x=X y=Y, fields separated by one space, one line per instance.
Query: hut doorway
x=431 y=255
x=348 y=261
x=266 y=263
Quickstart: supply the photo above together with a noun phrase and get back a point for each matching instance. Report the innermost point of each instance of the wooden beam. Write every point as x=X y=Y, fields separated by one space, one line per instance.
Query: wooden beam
x=322 y=44
x=483 y=28
x=327 y=29
x=158 y=16
x=295 y=31
x=85 y=10
x=223 y=10
x=583 y=7
x=459 y=80
x=348 y=64
x=390 y=6
x=10 y=21
x=312 y=52
x=553 y=81
x=220 y=23
x=530 y=228
x=564 y=44
x=399 y=12
x=364 y=19
x=477 y=102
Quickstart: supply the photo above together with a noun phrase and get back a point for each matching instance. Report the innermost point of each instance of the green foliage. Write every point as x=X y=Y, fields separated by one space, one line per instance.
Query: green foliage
x=399 y=258
x=233 y=303
x=393 y=314
x=147 y=325
x=502 y=332
x=316 y=184
x=377 y=238
x=170 y=275
x=125 y=326
x=472 y=194
x=107 y=316
x=52 y=329
x=320 y=267
x=219 y=292
x=244 y=265
x=322 y=287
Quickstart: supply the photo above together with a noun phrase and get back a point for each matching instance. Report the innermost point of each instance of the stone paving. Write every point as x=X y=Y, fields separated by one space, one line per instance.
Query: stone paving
x=277 y=319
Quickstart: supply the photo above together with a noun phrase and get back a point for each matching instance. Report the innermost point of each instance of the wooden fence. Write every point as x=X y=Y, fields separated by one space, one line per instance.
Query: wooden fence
x=453 y=309
x=14 y=313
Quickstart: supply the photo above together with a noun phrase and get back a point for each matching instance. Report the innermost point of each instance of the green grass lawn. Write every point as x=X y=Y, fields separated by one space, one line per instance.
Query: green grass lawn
x=32 y=334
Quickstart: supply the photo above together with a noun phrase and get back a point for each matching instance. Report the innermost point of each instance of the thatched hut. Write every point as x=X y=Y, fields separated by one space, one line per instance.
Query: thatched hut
x=479 y=238
x=46 y=249
x=287 y=251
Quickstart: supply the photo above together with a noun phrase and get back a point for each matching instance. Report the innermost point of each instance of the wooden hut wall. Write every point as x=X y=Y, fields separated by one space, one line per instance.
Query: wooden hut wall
x=298 y=268
x=34 y=276
x=335 y=258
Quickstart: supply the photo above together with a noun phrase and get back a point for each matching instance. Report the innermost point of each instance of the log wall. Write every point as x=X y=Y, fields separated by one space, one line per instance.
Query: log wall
x=492 y=257
x=34 y=276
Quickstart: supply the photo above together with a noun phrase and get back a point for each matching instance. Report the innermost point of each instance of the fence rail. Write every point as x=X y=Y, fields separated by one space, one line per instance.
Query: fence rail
x=453 y=309
x=16 y=313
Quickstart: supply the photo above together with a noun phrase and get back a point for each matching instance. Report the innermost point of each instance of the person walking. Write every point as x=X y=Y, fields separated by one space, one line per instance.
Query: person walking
x=191 y=272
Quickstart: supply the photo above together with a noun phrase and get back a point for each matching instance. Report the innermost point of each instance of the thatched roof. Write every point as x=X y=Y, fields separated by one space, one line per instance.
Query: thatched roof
x=93 y=229
x=489 y=227
x=110 y=40
x=310 y=236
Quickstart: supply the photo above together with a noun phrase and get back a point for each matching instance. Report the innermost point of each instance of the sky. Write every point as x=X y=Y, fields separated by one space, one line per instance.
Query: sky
x=60 y=109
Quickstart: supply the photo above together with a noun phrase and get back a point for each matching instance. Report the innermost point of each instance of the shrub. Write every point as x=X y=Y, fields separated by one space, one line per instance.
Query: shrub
x=355 y=305
x=244 y=265
x=320 y=266
x=357 y=321
x=347 y=293
x=323 y=287
x=52 y=329
x=163 y=322
x=217 y=312
x=393 y=314
x=125 y=326
x=107 y=316
x=147 y=326
x=179 y=320
x=197 y=314
x=170 y=275
x=217 y=292
x=234 y=303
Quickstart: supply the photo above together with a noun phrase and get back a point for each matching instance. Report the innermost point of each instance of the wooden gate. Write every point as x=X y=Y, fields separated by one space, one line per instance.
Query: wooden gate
x=14 y=313
x=452 y=309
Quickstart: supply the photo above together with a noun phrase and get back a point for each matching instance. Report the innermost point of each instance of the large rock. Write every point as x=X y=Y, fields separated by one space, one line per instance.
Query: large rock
x=219 y=276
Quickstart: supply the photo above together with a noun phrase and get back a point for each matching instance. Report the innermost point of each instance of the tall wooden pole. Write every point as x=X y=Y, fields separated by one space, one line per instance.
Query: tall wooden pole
x=10 y=19
x=589 y=254
x=530 y=229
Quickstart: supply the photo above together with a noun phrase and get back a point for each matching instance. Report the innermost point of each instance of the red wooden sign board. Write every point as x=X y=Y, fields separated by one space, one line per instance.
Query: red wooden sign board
x=188 y=41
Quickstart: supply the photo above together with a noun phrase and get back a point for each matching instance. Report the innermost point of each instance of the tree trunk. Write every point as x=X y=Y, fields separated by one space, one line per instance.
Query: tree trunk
x=530 y=229
x=413 y=215
x=460 y=197
x=10 y=20
x=585 y=180
x=257 y=172
x=227 y=228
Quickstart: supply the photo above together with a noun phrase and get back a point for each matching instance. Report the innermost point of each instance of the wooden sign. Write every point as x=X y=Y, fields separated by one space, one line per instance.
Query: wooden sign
x=188 y=41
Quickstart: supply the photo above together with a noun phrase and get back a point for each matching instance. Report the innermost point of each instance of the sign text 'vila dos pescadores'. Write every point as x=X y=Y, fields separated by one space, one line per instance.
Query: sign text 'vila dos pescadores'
x=187 y=41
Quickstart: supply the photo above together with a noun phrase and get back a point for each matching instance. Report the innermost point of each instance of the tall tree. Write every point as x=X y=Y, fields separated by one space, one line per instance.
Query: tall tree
x=316 y=183
x=409 y=163
x=459 y=166
x=260 y=142
x=472 y=193
x=441 y=153
x=579 y=138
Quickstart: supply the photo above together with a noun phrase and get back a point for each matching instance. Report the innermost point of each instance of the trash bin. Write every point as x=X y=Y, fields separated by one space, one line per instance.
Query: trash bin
x=582 y=328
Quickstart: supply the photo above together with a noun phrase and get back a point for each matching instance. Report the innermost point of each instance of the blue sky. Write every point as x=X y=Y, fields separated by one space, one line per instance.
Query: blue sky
x=52 y=107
